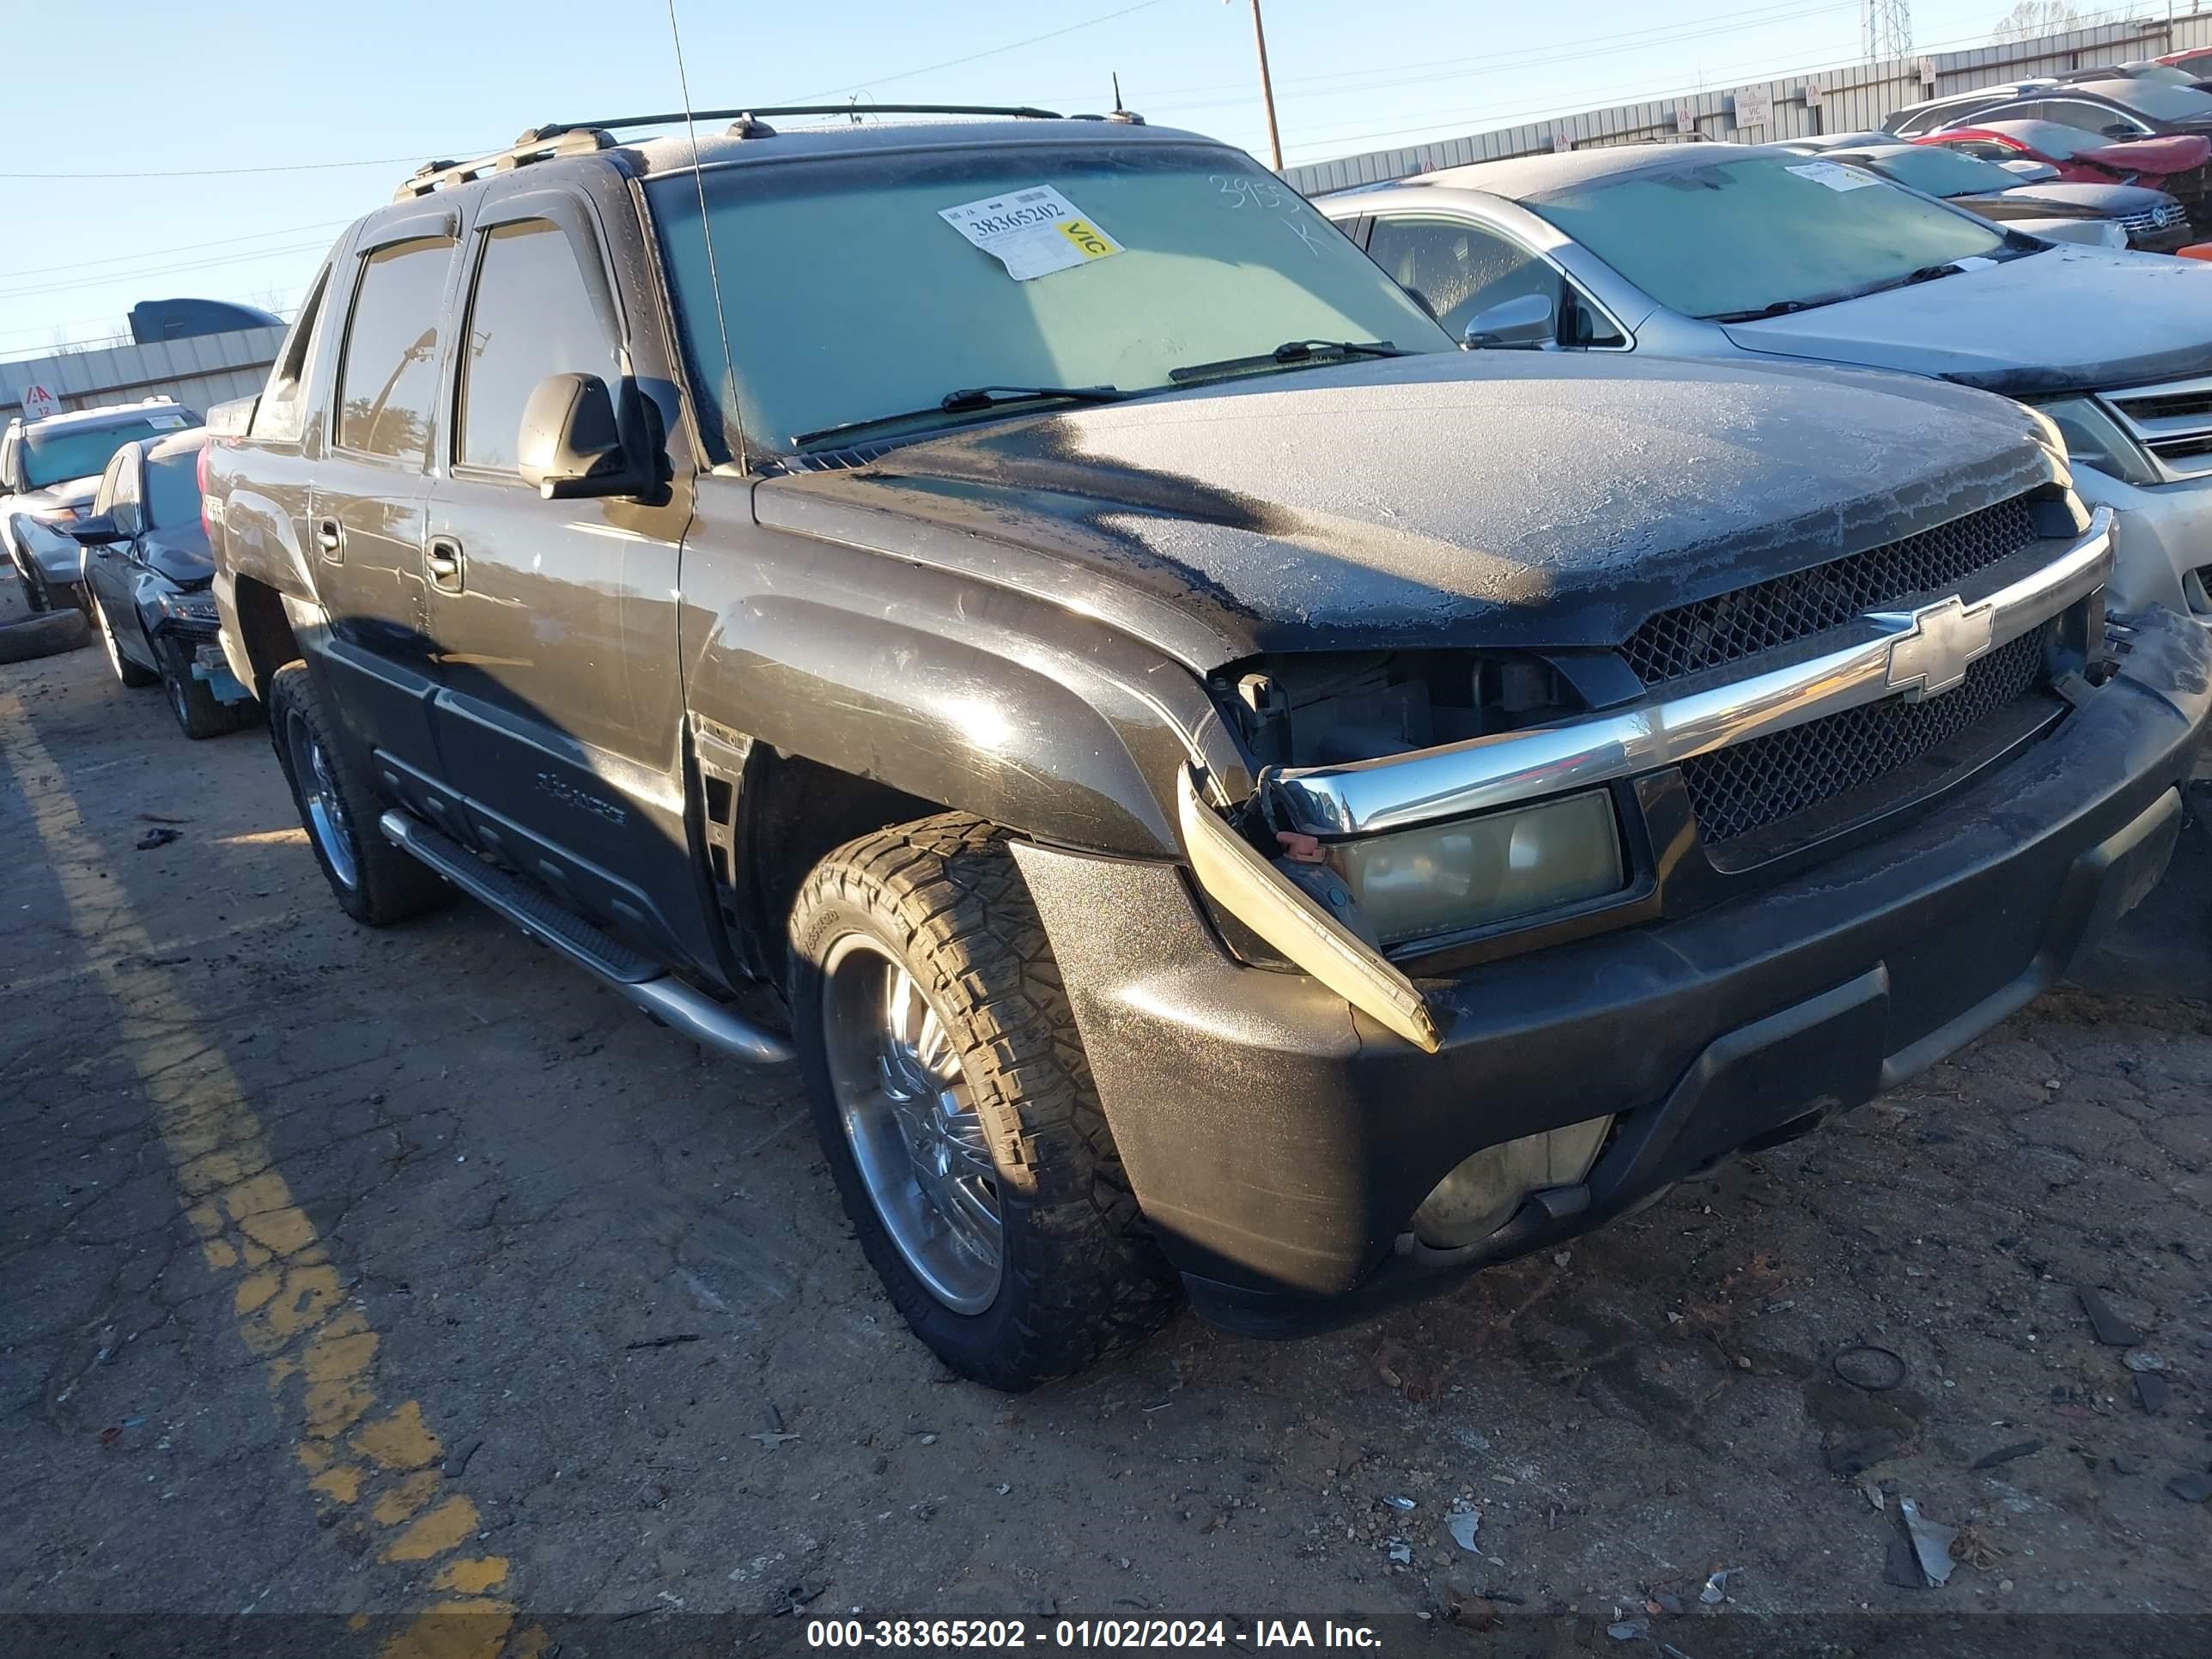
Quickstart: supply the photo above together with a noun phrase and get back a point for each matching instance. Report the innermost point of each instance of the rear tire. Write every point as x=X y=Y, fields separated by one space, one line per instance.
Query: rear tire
x=127 y=672
x=374 y=882
x=938 y=911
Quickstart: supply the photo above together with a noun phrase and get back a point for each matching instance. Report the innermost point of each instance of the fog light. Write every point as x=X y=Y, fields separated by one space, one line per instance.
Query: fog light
x=1444 y=877
x=1479 y=1197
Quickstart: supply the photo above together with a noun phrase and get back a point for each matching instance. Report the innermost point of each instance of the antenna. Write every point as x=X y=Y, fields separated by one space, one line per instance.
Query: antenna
x=1117 y=92
x=734 y=414
x=1887 y=29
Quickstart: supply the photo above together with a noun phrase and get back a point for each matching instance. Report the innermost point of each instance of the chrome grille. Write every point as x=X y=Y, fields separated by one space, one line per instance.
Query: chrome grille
x=2172 y=420
x=2162 y=217
x=1750 y=786
x=1690 y=639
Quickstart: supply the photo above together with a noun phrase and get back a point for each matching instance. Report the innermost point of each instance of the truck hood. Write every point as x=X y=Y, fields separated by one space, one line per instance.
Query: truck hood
x=1488 y=498
x=2070 y=319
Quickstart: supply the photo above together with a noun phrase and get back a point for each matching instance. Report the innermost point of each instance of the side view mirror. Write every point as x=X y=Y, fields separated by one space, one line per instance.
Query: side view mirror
x=99 y=530
x=571 y=442
x=1525 y=322
x=2119 y=130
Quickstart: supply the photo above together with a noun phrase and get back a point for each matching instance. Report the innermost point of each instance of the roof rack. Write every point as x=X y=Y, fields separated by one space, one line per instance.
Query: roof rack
x=537 y=144
x=582 y=137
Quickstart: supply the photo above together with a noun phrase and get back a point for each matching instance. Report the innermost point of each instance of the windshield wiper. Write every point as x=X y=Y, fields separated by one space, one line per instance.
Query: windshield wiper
x=1290 y=352
x=1779 y=309
x=967 y=400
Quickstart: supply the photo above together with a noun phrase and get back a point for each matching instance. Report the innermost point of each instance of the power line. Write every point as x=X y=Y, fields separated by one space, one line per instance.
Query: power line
x=181 y=247
x=1440 y=130
x=163 y=269
x=974 y=56
x=1565 y=50
x=222 y=172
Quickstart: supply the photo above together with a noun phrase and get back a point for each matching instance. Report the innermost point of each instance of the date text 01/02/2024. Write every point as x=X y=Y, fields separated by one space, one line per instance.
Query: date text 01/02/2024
x=1079 y=1635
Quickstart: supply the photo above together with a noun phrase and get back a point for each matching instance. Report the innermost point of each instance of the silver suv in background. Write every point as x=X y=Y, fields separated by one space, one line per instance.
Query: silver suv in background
x=1728 y=251
x=49 y=472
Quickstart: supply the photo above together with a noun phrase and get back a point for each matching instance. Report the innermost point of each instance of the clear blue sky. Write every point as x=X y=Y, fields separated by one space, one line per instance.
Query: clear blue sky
x=388 y=83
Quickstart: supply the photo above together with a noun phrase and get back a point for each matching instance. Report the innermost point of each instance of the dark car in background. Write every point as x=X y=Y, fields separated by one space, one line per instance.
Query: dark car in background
x=49 y=471
x=146 y=567
x=2101 y=216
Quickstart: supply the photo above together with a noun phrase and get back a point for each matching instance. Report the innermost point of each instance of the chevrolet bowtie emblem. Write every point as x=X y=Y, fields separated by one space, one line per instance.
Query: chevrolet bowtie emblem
x=1934 y=646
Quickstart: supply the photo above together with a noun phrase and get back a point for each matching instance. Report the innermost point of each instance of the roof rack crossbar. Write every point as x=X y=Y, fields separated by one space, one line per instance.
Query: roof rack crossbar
x=534 y=146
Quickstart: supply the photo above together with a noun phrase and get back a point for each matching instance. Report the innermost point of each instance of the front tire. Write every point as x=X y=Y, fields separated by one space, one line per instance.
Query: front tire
x=957 y=1110
x=200 y=714
x=127 y=672
x=374 y=882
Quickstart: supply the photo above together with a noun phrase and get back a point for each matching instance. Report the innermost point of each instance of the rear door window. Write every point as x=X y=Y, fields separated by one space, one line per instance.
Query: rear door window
x=388 y=380
x=533 y=315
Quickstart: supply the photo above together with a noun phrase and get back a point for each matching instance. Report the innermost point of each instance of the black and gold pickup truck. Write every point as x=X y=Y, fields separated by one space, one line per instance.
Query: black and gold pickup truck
x=1216 y=788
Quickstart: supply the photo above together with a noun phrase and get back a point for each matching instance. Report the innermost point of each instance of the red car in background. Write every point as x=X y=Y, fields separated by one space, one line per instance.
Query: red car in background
x=2175 y=163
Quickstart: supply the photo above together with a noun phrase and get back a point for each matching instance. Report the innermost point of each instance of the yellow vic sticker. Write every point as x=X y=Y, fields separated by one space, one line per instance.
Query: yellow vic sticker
x=1092 y=244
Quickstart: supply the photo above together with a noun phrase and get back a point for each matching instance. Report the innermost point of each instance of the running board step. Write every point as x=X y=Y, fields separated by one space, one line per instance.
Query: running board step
x=642 y=979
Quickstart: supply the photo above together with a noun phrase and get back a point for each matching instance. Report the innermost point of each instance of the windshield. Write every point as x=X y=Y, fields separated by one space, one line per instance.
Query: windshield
x=66 y=453
x=1738 y=236
x=2154 y=98
x=1941 y=171
x=2049 y=138
x=849 y=293
x=172 y=490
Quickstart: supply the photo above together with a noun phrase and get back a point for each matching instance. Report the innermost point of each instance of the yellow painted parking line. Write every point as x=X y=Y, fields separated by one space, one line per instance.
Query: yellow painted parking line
x=376 y=1463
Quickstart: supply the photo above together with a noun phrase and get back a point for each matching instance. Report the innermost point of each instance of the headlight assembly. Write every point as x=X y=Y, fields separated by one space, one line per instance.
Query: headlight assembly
x=2095 y=439
x=1447 y=877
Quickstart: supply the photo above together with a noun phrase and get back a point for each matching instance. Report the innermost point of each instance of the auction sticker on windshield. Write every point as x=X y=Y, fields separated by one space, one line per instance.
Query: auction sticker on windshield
x=1032 y=232
x=1834 y=175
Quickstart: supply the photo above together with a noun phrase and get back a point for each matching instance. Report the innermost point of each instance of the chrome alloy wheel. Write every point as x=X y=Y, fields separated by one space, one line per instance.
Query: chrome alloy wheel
x=911 y=1123
x=318 y=790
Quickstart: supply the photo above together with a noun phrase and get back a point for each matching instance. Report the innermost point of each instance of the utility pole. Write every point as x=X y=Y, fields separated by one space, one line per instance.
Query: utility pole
x=1266 y=90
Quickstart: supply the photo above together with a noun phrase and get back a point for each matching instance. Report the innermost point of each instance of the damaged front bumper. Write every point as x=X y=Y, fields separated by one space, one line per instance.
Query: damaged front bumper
x=1280 y=1140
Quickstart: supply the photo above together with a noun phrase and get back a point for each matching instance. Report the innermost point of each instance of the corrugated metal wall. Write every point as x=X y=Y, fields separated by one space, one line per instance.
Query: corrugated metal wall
x=1836 y=100
x=204 y=369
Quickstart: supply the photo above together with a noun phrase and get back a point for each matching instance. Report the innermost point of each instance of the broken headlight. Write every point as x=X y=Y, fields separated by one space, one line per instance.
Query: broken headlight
x=189 y=608
x=1449 y=878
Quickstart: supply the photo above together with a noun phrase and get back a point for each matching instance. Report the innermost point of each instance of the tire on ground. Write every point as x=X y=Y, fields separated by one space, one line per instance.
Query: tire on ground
x=389 y=885
x=197 y=709
x=129 y=673
x=1079 y=1274
x=43 y=634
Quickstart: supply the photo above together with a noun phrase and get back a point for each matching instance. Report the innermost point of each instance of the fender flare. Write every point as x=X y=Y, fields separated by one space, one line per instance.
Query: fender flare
x=1056 y=727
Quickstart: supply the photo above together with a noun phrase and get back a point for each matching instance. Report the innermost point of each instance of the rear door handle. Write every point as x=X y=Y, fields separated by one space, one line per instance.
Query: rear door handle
x=330 y=535
x=442 y=559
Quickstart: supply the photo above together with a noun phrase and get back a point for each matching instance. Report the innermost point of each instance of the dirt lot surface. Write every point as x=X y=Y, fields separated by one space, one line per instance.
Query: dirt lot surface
x=364 y=1273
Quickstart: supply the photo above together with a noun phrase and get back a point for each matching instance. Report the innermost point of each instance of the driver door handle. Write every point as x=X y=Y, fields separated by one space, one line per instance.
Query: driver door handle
x=330 y=537
x=442 y=559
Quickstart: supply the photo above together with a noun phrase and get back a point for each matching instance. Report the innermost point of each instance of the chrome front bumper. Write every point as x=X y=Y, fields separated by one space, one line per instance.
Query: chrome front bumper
x=1915 y=653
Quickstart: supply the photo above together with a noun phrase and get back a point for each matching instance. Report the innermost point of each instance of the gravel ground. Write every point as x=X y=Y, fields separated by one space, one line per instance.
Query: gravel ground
x=363 y=1273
